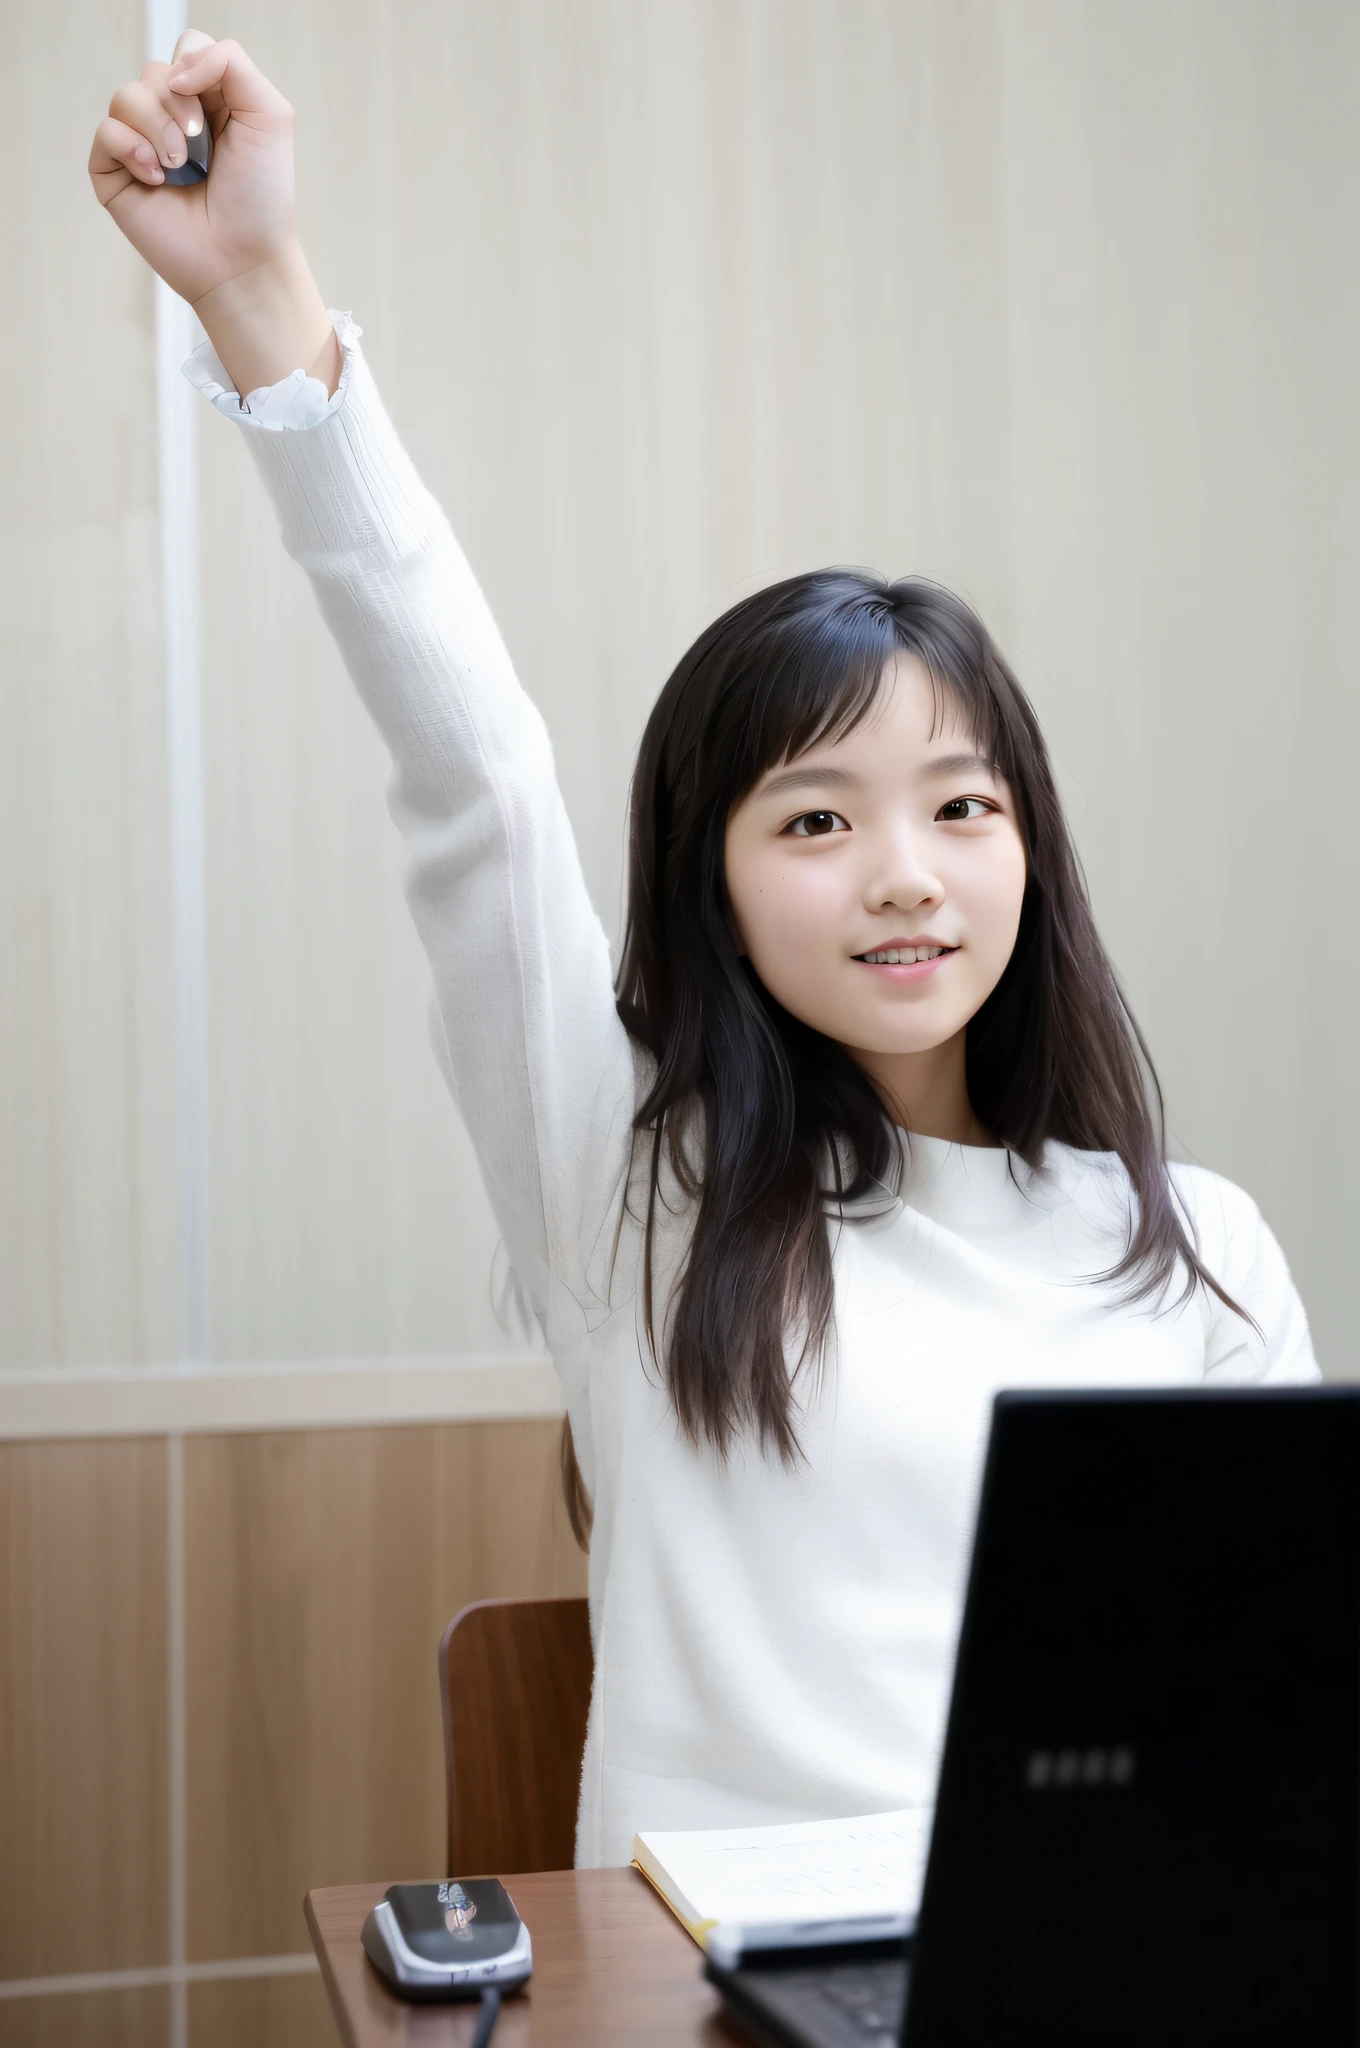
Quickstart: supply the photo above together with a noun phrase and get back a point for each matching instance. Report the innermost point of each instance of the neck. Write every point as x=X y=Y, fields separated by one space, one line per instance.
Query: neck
x=927 y=1092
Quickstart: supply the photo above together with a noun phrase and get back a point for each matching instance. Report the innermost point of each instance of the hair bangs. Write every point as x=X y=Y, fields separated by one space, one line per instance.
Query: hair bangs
x=821 y=678
x=822 y=673
x=971 y=690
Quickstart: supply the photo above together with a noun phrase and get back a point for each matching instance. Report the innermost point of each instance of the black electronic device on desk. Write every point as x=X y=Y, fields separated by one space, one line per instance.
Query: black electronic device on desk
x=450 y=1941
x=1147 y=1829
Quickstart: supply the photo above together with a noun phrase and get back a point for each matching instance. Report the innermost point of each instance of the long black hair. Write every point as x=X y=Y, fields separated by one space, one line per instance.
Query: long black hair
x=764 y=1121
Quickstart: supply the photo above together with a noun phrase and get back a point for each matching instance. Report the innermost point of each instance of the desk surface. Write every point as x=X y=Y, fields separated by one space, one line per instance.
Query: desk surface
x=611 y=1965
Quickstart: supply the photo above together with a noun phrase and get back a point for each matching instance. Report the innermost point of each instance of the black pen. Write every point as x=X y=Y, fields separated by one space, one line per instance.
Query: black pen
x=194 y=169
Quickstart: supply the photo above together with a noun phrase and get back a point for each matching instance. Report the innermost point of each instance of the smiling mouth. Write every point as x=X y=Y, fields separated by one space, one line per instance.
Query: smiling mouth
x=904 y=956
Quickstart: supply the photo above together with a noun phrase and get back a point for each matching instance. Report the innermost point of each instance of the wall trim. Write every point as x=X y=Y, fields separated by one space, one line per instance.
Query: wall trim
x=327 y=1393
x=160 y=1973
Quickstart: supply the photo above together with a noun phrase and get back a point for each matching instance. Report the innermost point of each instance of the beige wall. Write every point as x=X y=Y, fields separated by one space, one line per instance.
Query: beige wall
x=1052 y=299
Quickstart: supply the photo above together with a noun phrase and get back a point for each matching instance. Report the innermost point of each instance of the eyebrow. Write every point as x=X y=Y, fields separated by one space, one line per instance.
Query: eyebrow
x=841 y=778
x=808 y=778
x=962 y=764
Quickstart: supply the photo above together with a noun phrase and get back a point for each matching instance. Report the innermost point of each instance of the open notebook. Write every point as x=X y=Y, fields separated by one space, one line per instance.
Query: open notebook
x=808 y=1883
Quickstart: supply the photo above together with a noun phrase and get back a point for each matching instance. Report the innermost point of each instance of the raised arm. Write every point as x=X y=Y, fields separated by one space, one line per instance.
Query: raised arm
x=540 y=1064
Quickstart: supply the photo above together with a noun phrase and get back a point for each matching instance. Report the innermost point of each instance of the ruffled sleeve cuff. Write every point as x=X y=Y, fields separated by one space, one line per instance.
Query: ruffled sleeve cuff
x=296 y=401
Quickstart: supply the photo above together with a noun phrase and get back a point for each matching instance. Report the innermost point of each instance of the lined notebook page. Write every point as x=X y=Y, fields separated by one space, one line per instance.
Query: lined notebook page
x=813 y=1870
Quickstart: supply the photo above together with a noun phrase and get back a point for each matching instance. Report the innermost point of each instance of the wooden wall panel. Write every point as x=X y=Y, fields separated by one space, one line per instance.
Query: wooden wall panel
x=320 y=1572
x=263 y=2012
x=87 y=1139
x=91 y=2019
x=83 y=1692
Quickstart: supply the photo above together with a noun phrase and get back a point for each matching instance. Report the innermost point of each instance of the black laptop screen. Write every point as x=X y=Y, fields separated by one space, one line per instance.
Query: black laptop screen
x=1147 y=1818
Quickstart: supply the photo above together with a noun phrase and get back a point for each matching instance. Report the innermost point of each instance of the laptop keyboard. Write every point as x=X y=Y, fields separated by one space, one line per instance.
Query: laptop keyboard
x=842 y=2005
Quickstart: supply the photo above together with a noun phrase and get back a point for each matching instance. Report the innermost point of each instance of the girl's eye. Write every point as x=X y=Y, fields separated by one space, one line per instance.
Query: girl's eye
x=957 y=812
x=815 y=824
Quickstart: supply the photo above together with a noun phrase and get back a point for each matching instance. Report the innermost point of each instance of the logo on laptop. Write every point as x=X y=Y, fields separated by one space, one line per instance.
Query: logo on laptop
x=1079 y=1769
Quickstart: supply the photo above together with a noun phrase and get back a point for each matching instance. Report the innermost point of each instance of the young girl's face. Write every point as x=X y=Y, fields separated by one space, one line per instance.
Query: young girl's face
x=887 y=839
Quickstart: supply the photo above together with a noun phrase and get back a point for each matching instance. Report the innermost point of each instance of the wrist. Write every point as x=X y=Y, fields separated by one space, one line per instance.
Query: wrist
x=270 y=320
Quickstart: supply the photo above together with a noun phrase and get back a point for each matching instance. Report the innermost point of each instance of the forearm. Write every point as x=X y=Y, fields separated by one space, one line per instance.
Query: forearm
x=269 y=322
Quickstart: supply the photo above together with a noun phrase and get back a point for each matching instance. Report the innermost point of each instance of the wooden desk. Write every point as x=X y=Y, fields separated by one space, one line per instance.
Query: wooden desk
x=611 y=1965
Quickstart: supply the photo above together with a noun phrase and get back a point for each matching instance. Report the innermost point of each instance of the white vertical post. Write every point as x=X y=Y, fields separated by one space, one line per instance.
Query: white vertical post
x=176 y=333
x=177 y=469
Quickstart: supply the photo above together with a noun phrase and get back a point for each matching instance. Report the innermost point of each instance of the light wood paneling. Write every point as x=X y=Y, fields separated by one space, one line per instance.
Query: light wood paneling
x=82 y=1708
x=320 y=1572
x=90 y=2019
x=87 y=1162
x=261 y=2012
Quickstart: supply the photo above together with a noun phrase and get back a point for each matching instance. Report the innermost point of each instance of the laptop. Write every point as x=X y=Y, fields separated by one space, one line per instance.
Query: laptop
x=1147 y=1826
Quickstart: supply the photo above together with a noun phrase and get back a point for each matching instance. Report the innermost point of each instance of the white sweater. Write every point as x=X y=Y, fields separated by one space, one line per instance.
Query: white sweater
x=770 y=1644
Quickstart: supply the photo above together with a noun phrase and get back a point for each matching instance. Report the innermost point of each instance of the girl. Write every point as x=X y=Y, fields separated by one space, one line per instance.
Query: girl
x=863 y=1132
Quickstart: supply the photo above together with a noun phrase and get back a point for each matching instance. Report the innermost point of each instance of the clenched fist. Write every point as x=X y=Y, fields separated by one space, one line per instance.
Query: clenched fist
x=197 y=237
x=226 y=244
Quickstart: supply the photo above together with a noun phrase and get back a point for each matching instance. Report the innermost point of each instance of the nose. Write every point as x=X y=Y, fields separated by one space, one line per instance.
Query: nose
x=902 y=876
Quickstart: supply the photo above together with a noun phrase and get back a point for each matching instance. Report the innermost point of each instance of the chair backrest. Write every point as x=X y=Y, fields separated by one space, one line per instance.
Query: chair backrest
x=515 y=1678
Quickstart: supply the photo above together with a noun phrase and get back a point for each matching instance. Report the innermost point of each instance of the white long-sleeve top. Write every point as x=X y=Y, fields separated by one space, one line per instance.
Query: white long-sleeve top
x=771 y=1644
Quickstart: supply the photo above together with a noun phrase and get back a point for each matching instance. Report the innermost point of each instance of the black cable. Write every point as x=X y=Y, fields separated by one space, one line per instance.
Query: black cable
x=486 y=2019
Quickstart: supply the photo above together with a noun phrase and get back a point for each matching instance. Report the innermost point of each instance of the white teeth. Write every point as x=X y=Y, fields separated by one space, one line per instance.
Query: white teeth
x=903 y=956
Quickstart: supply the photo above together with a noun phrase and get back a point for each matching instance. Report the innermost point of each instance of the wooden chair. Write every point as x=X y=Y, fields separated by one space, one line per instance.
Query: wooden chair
x=514 y=1677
